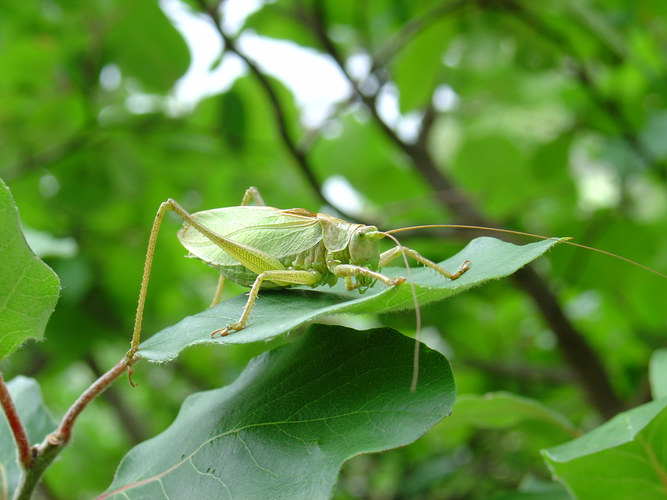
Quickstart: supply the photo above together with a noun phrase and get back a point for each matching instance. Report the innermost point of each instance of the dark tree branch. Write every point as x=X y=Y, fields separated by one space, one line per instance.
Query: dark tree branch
x=576 y=351
x=426 y=125
x=279 y=114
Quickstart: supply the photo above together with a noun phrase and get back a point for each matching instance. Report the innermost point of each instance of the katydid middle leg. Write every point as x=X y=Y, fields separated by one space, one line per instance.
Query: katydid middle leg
x=289 y=276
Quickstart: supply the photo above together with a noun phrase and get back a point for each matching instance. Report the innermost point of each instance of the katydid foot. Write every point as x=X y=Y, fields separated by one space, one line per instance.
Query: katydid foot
x=223 y=332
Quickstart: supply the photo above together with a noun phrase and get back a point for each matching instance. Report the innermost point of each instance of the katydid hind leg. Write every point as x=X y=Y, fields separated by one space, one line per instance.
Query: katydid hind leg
x=290 y=276
x=252 y=193
x=148 y=263
x=172 y=205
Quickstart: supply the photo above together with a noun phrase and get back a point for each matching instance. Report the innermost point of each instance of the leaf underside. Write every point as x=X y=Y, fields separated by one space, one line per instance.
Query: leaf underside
x=37 y=421
x=295 y=414
x=278 y=312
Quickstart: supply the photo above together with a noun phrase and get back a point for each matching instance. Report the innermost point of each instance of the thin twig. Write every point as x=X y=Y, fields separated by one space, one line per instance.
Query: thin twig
x=129 y=420
x=15 y=424
x=44 y=453
x=415 y=26
x=48 y=157
x=64 y=431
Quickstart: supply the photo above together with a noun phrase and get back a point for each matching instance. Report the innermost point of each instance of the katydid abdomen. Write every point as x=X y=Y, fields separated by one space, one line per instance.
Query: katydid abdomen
x=282 y=241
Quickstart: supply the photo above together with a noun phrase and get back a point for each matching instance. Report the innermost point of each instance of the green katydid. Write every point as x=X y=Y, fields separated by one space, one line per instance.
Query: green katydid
x=265 y=247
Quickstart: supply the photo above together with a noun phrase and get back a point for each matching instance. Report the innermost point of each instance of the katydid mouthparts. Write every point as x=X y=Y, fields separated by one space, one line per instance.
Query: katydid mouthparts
x=268 y=248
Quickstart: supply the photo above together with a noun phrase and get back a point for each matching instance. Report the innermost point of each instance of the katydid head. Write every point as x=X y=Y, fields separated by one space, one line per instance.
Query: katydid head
x=365 y=247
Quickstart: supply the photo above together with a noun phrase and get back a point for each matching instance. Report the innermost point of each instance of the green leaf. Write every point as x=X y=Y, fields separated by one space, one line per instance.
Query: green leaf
x=510 y=175
x=503 y=410
x=273 y=21
x=623 y=458
x=275 y=313
x=28 y=288
x=36 y=420
x=658 y=374
x=418 y=68
x=554 y=492
x=534 y=488
x=233 y=119
x=145 y=45
x=294 y=415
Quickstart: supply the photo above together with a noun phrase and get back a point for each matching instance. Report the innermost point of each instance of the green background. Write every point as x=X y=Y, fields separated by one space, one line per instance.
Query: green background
x=558 y=129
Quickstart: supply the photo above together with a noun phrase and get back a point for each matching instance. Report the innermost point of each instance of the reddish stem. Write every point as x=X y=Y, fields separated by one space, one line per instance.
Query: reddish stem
x=15 y=424
x=64 y=431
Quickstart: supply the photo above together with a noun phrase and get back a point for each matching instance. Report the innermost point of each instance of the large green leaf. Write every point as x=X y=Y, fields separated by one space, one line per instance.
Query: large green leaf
x=503 y=410
x=623 y=458
x=28 y=288
x=294 y=415
x=36 y=420
x=275 y=313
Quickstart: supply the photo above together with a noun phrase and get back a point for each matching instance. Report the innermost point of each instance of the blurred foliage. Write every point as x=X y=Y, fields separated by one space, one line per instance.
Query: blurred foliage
x=550 y=118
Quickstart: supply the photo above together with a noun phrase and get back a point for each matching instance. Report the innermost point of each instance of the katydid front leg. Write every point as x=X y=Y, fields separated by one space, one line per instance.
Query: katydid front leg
x=391 y=254
x=254 y=260
x=349 y=271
